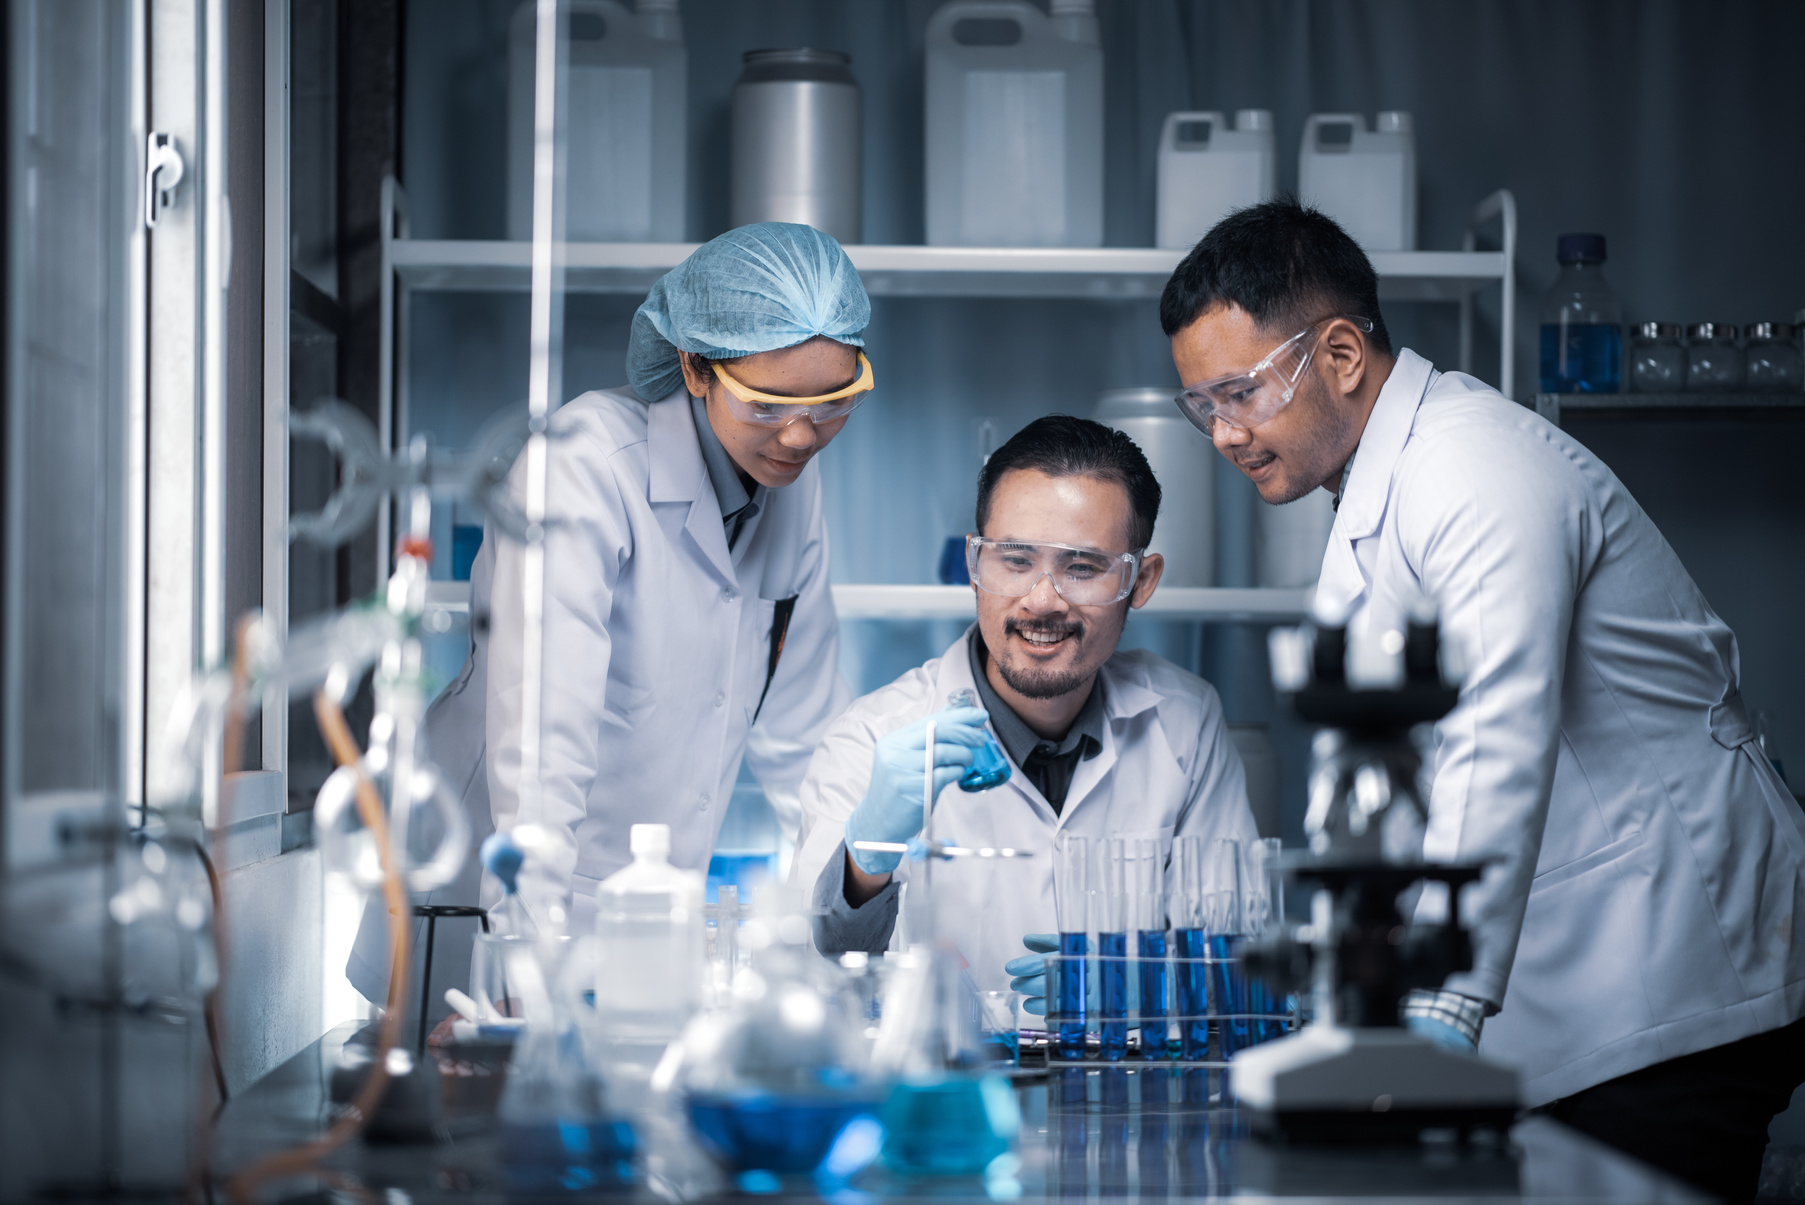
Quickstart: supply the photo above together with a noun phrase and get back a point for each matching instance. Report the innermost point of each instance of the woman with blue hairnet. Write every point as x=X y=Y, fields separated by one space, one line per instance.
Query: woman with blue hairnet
x=688 y=619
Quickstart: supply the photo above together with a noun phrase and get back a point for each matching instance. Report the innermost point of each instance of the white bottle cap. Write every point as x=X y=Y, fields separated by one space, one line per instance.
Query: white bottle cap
x=1253 y=119
x=1394 y=121
x=650 y=840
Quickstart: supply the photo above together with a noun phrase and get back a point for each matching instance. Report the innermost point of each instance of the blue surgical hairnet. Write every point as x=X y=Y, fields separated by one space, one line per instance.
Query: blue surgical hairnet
x=757 y=288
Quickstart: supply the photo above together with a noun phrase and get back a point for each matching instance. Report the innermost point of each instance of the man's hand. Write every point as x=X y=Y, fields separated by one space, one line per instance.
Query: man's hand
x=891 y=809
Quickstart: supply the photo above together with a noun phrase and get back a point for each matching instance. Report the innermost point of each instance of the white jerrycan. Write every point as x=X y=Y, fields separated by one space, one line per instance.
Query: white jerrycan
x=625 y=130
x=1364 y=179
x=1207 y=170
x=1014 y=125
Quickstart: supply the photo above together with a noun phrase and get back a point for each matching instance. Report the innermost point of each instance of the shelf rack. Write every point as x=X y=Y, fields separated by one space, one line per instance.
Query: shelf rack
x=1079 y=273
x=1552 y=406
x=956 y=602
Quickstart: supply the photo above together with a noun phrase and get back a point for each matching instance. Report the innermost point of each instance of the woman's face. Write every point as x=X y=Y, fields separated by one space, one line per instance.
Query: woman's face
x=774 y=456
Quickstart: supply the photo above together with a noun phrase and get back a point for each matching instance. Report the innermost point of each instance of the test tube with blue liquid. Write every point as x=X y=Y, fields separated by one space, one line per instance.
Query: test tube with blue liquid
x=1112 y=948
x=1147 y=906
x=1227 y=926
x=1071 y=902
x=989 y=765
x=1263 y=908
x=1191 y=937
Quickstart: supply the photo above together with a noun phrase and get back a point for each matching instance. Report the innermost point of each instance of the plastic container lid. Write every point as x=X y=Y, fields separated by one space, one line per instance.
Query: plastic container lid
x=1580 y=249
x=1657 y=330
x=650 y=840
x=1769 y=330
x=1146 y=402
x=1712 y=331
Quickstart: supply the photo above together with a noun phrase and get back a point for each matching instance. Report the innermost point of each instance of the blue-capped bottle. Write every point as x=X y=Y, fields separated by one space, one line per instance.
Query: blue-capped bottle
x=1582 y=324
x=989 y=767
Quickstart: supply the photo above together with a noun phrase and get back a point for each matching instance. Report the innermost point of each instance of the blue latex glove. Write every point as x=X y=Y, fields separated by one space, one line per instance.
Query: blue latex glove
x=891 y=809
x=1030 y=971
x=1441 y=1033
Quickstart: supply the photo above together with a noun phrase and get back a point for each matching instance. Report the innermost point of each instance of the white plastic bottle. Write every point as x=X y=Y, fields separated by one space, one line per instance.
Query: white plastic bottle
x=1207 y=170
x=1364 y=179
x=649 y=946
x=1014 y=125
x=626 y=127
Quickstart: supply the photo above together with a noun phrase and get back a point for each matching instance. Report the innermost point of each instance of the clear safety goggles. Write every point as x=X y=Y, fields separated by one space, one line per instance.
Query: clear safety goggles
x=1083 y=577
x=1247 y=399
x=774 y=410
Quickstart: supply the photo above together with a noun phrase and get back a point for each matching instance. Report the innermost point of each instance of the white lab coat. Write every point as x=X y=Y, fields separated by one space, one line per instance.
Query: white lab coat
x=657 y=648
x=1167 y=766
x=1646 y=857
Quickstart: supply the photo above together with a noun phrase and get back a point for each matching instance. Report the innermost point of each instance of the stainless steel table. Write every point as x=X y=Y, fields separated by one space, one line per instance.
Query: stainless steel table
x=1092 y=1132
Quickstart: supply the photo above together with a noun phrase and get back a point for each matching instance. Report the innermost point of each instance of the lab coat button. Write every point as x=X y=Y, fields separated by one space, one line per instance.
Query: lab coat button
x=720 y=698
x=729 y=594
x=702 y=803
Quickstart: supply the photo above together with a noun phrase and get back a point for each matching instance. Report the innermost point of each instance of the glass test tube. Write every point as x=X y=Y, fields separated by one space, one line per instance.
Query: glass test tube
x=1190 y=937
x=1226 y=922
x=1264 y=909
x=1071 y=901
x=1112 y=947
x=1147 y=900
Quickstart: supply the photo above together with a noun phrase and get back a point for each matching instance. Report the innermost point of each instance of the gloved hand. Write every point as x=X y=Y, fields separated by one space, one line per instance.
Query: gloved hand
x=1030 y=971
x=1448 y=1019
x=891 y=809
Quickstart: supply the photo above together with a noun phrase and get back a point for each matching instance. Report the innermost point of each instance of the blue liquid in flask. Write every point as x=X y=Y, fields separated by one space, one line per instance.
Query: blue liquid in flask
x=989 y=765
x=1193 y=996
x=1151 y=946
x=951 y=1127
x=787 y=1135
x=1112 y=990
x=1070 y=998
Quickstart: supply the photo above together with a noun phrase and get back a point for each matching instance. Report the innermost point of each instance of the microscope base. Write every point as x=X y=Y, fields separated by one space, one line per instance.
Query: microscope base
x=1330 y=1084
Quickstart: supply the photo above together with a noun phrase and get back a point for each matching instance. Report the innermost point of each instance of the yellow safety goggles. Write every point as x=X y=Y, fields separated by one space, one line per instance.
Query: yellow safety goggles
x=749 y=405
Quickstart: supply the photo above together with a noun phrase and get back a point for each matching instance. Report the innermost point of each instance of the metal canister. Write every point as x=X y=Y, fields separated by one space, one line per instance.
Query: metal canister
x=1184 y=461
x=797 y=142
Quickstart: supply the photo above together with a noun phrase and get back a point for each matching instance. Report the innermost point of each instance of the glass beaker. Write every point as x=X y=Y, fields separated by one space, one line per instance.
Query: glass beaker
x=1714 y=364
x=989 y=764
x=1657 y=361
x=1774 y=364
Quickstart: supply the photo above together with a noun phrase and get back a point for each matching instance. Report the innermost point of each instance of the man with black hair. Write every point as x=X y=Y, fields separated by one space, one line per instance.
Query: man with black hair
x=1634 y=929
x=1101 y=742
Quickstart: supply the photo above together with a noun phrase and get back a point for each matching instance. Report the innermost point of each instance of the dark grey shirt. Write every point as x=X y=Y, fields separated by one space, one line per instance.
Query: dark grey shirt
x=1049 y=765
x=737 y=506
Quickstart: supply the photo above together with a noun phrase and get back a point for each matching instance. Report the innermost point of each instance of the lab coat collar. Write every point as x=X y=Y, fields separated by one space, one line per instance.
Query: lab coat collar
x=679 y=474
x=1362 y=503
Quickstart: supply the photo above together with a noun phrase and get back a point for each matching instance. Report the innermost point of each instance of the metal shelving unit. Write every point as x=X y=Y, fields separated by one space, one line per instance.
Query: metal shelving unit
x=1552 y=406
x=1100 y=274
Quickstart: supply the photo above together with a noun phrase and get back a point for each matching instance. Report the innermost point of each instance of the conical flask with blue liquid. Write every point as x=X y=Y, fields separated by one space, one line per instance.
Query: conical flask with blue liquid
x=989 y=764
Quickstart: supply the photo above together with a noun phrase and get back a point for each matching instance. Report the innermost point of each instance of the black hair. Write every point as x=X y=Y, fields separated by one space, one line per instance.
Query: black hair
x=1062 y=446
x=1285 y=264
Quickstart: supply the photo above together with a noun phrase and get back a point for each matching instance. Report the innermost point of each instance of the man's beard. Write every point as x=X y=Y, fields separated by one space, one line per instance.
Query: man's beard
x=1044 y=682
x=1315 y=459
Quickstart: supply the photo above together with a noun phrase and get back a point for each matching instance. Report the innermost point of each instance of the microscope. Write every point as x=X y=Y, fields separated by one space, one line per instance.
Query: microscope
x=1356 y=1073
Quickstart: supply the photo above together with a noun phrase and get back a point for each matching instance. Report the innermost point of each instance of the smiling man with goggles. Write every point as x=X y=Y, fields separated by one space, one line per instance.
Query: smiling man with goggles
x=1247 y=399
x=750 y=405
x=1083 y=577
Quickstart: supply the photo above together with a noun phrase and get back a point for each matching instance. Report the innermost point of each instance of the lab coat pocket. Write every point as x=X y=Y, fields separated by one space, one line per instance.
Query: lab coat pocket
x=1619 y=848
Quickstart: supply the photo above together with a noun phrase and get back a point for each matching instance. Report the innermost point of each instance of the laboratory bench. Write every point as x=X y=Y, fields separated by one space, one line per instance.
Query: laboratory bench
x=1088 y=1131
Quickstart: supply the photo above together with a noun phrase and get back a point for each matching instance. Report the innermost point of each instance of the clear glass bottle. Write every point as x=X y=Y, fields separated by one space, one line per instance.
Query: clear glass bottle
x=1657 y=361
x=1774 y=363
x=1714 y=363
x=1582 y=335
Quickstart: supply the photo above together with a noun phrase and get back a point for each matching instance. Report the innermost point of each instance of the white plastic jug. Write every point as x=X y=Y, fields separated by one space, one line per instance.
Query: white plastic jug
x=1014 y=125
x=1364 y=179
x=1184 y=461
x=1207 y=170
x=626 y=130
x=1289 y=540
x=649 y=938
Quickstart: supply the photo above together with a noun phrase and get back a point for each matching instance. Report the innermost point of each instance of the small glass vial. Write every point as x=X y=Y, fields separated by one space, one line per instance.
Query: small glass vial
x=1774 y=362
x=1657 y=361
x=1713 y=361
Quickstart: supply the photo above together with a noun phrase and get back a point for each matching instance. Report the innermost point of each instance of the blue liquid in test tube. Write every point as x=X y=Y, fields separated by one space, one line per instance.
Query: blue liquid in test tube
x=1151 y=946
x=1230 y=991
x=1112 y=971
x=1193 y=996
x=1073 y=953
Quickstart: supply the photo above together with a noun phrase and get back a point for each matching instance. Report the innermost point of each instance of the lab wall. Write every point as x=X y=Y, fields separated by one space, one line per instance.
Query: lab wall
x=1666 y=125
